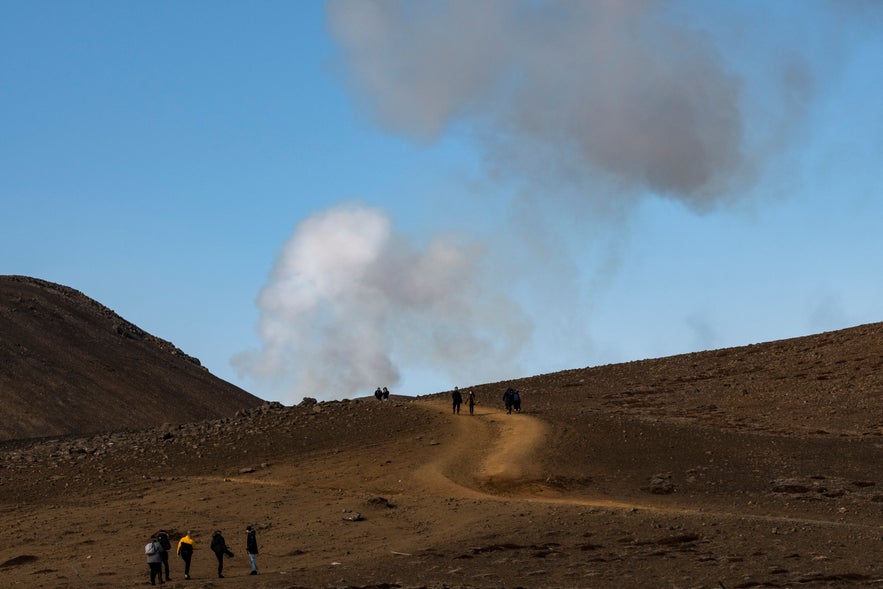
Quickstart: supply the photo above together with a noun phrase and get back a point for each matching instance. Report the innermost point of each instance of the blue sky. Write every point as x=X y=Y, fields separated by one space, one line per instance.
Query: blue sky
x=317 y=199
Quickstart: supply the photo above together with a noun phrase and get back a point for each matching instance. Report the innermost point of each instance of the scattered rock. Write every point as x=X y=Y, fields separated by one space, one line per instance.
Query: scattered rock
x=660 y=484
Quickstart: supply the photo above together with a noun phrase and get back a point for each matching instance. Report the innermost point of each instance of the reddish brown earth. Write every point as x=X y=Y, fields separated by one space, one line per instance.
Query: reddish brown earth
x=68 y=364
x=748 y=467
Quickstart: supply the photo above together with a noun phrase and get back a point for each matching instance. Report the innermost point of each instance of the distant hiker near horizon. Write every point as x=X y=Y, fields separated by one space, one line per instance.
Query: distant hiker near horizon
x=378 y=394
x=385 y=394
x=154 y=551
x=470 y=401
x=219 y=547
x=185 y=551
x=509 y=399
x=456 y=399
x=163 y=538
x=251 y=548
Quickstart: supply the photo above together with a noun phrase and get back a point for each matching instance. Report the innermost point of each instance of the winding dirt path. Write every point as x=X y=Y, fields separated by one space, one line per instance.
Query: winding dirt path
x=497 y=457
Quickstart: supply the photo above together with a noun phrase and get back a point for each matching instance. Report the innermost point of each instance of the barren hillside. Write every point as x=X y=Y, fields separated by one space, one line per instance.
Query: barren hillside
x=70 y=365
x=750 y=467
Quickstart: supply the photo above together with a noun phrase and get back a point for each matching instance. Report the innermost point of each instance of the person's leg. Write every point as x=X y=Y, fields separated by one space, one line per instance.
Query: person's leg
x=165 y=563
x=186 y=559
x=154 y=566
x=220 y=565
x=253 y=560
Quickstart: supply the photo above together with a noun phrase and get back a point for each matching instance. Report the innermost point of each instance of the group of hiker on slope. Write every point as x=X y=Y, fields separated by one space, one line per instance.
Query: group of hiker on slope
x=157 y=551
x=511 y=400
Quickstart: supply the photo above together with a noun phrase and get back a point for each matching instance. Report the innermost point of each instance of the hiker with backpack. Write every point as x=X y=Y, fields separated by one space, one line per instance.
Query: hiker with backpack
x=508 y=399
x=154 y=552
x=163 y=538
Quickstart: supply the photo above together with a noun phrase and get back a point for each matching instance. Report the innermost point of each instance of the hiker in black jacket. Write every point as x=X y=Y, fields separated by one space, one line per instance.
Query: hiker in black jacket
x=219 y=547
x=251 y=548
x=163 y=538
x=456 y=399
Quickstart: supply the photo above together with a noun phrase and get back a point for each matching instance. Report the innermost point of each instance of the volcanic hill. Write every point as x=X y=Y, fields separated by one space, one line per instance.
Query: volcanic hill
x=70 y=365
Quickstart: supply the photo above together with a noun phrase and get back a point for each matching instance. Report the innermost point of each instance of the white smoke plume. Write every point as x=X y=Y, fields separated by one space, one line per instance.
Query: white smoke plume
x=349 y=300
x=610 y=96
x=589 y=102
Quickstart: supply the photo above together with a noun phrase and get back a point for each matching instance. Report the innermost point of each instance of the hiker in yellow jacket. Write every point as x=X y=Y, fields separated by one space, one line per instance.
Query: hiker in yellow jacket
x=185 y=551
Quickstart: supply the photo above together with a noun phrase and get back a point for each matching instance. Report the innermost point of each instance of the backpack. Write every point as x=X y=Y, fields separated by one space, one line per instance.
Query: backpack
x=150 y=548
x=164 y=541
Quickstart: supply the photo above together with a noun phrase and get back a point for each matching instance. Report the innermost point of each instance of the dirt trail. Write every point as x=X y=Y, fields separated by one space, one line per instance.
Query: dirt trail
x=504 y=465
x=494 y=454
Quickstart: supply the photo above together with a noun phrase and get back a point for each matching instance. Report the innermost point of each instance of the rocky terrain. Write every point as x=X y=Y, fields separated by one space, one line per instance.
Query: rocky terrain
x=747 y=467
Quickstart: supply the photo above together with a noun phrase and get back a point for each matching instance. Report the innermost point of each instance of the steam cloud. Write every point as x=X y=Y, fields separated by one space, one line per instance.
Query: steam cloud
x=609 y=100
x=349 y=299
x=612 y=94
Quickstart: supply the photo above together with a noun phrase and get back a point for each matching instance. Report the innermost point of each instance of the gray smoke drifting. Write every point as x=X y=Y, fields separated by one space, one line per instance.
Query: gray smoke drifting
x=349 y=300
x=592 y=103
x=615 y=95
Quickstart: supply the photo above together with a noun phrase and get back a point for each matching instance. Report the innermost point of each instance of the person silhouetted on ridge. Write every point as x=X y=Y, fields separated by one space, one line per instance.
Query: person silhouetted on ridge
x=456 y=399
x=470 y=402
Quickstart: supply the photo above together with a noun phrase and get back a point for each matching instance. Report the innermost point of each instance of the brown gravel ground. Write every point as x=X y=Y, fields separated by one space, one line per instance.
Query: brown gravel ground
x=750 y=467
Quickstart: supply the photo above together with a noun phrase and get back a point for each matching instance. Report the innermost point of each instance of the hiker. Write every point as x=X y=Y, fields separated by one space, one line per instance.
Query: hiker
x=219 y=547
x=378 y=394
x=456 y=398
x=508 y=399
x=385 y=394
x=163 y=538
x=470 y=401
x=154 y=551
x=516 y=401
x=251 y=547
x=185 y=551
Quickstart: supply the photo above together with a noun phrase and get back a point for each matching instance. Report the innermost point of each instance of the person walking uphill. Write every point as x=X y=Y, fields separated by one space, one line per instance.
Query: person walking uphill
x=154 y=551
x=470 y=402
x=185 y=551
x=457 y=399
x=251 y=548
x=219 y=547
x=163 y=538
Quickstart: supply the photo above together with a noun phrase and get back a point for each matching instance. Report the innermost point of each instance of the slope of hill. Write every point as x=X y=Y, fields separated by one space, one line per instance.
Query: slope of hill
x=69 y=365
x=759 y=466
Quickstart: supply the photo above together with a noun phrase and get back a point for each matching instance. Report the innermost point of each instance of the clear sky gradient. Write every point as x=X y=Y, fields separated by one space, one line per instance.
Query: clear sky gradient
x=318 y=199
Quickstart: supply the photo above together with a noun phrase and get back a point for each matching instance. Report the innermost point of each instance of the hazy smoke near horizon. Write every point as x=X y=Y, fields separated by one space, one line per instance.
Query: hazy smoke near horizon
x=349 y=299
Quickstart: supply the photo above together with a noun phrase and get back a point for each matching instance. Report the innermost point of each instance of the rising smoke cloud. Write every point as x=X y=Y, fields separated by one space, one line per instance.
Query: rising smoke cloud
x=575 y=92
x=610 y=100
x=349 y=299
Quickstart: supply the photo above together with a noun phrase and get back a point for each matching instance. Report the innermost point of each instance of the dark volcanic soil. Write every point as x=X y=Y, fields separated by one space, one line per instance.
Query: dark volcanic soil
x=68 y=364
x=750 y=467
